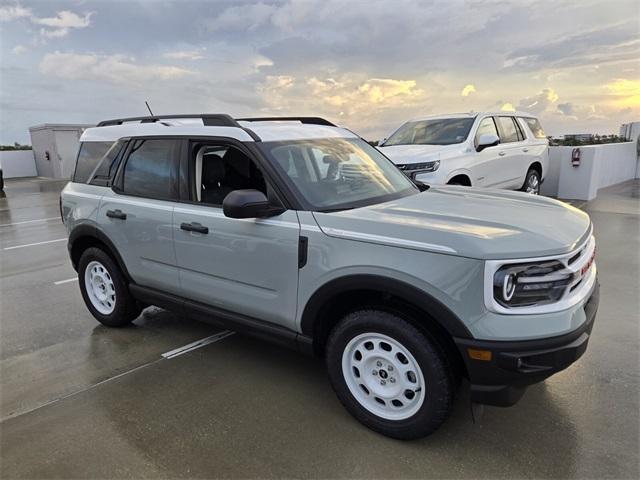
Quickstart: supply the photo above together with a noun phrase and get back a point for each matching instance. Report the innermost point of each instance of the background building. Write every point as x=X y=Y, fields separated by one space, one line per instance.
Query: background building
x=55 y=147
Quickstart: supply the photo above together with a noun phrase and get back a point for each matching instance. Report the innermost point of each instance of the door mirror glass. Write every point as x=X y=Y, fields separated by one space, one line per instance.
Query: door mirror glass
x=487 y=140
x=248 y=204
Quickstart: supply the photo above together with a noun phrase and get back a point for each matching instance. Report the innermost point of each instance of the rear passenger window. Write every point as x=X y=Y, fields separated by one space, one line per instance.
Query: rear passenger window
x=535 y=127
x=152 y=169
x=106 y=168
x=89 y=156
x=508 y=132
x=487 y=127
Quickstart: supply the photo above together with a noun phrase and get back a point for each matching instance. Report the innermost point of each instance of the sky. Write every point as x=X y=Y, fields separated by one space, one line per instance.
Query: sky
x=367 y=65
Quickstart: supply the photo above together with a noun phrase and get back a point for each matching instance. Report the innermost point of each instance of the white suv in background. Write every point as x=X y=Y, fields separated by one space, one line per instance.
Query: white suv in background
x=498 y=150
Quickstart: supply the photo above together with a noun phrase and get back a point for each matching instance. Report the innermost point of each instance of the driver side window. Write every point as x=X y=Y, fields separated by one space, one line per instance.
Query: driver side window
x=487 y=127
x=220 y=169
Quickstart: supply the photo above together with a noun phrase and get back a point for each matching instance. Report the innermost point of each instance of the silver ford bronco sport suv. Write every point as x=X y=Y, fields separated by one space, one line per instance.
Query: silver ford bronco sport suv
x=298 y=231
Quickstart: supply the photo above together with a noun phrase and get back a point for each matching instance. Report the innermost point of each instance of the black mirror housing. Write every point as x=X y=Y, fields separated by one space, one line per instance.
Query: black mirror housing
x=248 y=204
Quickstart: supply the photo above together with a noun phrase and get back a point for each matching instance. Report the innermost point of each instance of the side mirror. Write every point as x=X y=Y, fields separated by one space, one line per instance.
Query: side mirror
x=248 y=204
x=487 y=140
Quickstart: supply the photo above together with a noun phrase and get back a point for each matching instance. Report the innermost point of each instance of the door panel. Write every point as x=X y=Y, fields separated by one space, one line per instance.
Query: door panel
x=143 y=238
x=489 y=165
x=514 y=156
x=247 y=266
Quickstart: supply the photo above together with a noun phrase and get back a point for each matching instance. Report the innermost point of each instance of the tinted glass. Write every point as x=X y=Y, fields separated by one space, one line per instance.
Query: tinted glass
x=219 y=170
x=338 y=173
x=89 y=156
x=507 y=130
x=443 y=131
x=535 y=127
x=152 y=169
x=519 y=131
x=106 y=168
x=486 y=127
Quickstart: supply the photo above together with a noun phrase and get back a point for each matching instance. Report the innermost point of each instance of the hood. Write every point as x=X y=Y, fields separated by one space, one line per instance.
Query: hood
x=469 y=222
x=402 y=154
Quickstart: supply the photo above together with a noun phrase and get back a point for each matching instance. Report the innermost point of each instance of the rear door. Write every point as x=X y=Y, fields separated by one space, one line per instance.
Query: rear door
x=512 y=152
x=246 y=266
x=136 y=214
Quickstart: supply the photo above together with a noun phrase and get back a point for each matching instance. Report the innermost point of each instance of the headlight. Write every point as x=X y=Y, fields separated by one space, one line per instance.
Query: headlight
x=521 y=285
x=540 y=285
x=412 y=169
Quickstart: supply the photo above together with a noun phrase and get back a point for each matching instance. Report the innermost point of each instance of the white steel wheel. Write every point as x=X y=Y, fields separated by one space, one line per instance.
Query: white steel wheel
x=99 y=286
x=533 y=184
x=383 y=376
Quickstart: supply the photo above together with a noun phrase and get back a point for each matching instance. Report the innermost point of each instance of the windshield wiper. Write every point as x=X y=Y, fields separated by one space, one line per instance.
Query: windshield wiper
x=331 y=210
x=423 y=187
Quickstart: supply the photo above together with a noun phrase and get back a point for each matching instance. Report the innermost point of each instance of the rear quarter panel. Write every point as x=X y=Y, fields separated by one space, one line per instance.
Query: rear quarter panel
x=80 y=204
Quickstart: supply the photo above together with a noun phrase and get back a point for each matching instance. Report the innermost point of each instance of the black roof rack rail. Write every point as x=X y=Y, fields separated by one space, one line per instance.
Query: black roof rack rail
x=208 y=119
x=307 y=120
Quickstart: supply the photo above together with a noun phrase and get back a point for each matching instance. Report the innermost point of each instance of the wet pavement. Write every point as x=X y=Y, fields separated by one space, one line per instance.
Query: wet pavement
x=78 y=400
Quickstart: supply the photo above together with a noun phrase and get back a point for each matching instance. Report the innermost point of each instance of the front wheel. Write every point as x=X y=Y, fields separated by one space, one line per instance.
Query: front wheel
x=532 y=182
x=389 y=375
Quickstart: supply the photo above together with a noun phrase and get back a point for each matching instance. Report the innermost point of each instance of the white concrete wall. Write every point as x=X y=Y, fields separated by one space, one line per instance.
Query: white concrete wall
x=600 y=166
x=17 y=163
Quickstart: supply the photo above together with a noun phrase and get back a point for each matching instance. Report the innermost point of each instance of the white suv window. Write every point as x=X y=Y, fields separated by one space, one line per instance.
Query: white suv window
x=487 y=127
x=535 y=127
x=507 y=130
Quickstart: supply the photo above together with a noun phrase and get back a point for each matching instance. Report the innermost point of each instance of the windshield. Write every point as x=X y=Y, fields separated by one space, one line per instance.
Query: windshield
x=338 y=173
x=437 y=131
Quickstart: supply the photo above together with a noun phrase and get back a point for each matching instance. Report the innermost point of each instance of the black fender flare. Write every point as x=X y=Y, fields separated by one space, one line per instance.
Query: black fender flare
x=440 y=313
x=91 y=231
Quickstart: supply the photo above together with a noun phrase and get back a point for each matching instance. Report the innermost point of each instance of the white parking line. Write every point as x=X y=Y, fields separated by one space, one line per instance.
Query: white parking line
x=197 y=344
x=34 y=244
x=29 y=221
x=60 y=282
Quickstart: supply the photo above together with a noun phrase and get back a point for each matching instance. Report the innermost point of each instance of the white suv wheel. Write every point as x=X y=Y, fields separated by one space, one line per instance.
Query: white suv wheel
x=99 y=286
x=383 y=376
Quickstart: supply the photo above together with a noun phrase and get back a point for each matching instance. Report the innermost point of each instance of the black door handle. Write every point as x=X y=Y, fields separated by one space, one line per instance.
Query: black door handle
x=194 y=227
x=116 y=214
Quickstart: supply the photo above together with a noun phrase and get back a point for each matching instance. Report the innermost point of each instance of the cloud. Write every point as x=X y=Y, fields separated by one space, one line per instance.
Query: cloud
x=62 y=23
x=18 y=50
x=566 y=108
x=468 y=90
x=184 y=55
x=604 y=44
x=116 y=69
x=626 y=92
x=242 y=18
x=539 y=102
x=13 y=12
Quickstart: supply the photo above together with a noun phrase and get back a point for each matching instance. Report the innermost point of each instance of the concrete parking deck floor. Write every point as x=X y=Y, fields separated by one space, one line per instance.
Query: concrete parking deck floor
x=78 y=400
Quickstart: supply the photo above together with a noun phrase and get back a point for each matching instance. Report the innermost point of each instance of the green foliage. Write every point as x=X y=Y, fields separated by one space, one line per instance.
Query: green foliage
x=15 y=146
x=570 y=141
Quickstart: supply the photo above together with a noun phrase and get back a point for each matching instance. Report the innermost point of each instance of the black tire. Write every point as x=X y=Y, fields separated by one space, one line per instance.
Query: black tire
x=126 y=309
x=531 y=174
x=437 y=372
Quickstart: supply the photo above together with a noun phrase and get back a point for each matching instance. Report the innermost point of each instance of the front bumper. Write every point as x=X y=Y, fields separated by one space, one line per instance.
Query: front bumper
x=514 y=365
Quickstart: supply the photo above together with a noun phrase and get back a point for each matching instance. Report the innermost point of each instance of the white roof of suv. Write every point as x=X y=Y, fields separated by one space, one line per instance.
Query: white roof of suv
x=474 y=114
x=217 y=125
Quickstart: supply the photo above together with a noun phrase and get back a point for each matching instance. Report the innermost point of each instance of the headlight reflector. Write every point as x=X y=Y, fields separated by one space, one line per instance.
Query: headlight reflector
x=521 y=285
x=412 y=169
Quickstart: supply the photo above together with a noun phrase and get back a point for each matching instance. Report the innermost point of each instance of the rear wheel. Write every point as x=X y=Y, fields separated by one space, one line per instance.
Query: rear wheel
x=104 y=289
x=389 y=375
x=532 y=182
